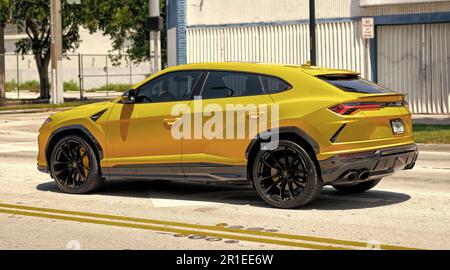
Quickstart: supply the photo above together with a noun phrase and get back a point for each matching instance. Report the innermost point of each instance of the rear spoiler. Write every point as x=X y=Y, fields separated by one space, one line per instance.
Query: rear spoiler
x=384 y=95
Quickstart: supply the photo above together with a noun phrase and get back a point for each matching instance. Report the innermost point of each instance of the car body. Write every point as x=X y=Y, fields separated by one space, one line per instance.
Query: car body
x=351 y=131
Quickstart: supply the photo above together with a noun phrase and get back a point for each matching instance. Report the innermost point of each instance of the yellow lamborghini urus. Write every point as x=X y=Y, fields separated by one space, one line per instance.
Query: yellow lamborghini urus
x=287 y=130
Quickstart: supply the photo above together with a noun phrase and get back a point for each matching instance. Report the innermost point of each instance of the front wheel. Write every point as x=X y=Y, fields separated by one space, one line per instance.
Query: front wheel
x=287 y=176
x=358 y=188
x=74 y=166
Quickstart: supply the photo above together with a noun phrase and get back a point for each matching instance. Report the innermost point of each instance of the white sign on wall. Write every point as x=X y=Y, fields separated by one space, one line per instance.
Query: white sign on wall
x=368 y=28
x=368 y=3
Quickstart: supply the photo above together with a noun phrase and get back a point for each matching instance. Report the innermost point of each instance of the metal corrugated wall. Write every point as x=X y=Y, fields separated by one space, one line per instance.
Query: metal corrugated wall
x=214 y=12
x=415 y=60
x=340 y=44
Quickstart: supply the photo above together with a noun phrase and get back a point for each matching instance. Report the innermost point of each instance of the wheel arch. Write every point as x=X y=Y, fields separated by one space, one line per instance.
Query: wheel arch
x=78 y=130
x=293 y=134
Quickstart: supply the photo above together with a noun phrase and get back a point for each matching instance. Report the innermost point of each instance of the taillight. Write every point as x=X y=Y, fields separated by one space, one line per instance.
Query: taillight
x=349 y=108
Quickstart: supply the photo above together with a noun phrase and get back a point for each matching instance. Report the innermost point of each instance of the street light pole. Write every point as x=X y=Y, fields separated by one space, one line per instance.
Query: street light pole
x=155 y=39
x=312 y=32
x=57 y=92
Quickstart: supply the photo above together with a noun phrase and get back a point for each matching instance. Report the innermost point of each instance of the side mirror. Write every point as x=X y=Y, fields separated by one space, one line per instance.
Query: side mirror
x=129 y=97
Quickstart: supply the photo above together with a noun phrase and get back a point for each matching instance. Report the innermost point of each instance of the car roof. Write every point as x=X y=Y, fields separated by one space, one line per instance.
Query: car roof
x=306 y=68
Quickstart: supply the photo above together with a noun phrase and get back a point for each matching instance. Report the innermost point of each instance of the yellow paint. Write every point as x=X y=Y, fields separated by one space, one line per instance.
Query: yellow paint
x=192 y=228
x=140 y=133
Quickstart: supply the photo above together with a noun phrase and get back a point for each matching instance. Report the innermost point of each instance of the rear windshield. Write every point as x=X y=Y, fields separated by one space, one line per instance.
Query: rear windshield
x=354 y=83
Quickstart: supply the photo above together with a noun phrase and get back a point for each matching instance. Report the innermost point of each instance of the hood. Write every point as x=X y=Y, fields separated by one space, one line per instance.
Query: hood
x=82 y=111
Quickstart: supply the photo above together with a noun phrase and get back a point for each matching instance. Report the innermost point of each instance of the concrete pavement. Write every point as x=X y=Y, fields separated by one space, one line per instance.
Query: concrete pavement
x=410 y=209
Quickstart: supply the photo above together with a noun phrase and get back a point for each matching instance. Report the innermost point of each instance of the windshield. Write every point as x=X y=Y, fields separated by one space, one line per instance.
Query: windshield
x=354 y=83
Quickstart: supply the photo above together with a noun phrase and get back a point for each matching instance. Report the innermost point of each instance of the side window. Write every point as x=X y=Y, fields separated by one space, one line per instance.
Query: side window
x=273 y=85
x=177 y=86
x=231 y=84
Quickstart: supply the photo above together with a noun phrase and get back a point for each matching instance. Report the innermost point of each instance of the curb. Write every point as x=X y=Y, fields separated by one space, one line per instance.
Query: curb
x=434 y=147
x=36 y=110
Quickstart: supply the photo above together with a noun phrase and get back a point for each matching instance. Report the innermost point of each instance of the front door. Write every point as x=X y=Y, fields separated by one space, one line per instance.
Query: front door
x=140 y=142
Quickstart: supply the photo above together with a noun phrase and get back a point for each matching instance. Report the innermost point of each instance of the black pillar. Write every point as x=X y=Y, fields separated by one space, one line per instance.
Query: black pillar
x=312 y=32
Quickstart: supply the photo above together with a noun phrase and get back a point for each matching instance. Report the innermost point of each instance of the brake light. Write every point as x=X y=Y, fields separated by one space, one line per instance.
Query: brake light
x=349 y=108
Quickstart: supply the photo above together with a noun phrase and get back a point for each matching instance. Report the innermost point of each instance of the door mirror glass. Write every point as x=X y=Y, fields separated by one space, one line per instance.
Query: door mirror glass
x=129 y=97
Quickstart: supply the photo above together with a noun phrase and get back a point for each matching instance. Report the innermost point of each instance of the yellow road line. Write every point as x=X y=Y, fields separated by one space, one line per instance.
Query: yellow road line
x=173 y=230
x=205 y=227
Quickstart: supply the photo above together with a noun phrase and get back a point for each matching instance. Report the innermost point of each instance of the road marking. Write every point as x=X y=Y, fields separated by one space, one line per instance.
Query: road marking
x=435 y=153
x=173 y=230
x=196 y=227
x=16 y=148
x=18 y=132
x=161 y=203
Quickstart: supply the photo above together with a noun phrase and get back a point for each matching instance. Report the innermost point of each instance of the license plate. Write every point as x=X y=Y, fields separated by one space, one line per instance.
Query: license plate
x=397 y=126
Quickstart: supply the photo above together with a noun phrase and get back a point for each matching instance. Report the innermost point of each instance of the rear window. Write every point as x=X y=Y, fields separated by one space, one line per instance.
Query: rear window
x=353 y=83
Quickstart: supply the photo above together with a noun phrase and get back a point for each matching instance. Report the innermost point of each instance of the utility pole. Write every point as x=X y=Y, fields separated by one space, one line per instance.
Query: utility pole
x=312 y=32
x=155 y=37
x=2 y=62
x=57 y=91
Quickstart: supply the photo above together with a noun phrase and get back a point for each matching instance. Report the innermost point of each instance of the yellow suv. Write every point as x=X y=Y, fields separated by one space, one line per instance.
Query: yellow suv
x=315 y=127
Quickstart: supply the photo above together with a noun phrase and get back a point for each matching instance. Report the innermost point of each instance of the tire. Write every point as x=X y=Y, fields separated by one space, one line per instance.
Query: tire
x=286 y=177
x=74 y=166
x=358 y=188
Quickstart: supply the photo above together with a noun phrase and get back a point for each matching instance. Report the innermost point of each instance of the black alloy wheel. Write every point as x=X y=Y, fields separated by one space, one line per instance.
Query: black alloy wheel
x=74 y=166
x=286 y=177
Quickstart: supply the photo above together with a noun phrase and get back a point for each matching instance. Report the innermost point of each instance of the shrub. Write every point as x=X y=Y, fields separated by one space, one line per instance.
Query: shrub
x=32 y=86
x=71 y=86
x=117 y=87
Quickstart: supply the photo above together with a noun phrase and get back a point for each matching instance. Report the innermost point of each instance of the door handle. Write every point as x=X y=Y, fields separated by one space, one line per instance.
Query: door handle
x=170 y=122
x=256 y=115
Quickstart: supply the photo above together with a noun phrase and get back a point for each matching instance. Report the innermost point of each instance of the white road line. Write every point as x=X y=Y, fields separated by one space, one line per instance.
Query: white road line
x=161 y=203
x=13 y=149
x=18 y=143
x=19 y=132
x=435 y=153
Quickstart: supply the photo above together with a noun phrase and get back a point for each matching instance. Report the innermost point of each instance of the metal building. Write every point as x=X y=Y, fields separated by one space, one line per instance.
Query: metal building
x=410 y=52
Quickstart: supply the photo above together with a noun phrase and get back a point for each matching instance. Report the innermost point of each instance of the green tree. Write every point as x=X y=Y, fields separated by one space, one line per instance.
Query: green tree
x=4 y=18
x=124 y=22
x=33 y=18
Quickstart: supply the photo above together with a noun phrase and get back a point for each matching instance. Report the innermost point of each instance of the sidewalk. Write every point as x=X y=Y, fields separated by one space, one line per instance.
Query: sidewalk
x=434 y=147
x=425 y=119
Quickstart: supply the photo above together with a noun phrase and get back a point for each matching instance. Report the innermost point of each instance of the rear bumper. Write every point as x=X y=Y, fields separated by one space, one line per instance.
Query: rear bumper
x=378 y=163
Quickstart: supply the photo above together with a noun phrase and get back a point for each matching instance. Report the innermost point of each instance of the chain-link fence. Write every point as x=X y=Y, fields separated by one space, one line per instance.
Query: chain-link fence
x=91 y=76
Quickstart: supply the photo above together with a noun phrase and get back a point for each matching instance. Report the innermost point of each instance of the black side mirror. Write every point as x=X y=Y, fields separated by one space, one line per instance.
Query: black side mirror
x=129 y=97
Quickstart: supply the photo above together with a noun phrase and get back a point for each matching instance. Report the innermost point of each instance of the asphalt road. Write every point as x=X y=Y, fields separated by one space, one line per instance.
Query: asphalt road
x=408 y=210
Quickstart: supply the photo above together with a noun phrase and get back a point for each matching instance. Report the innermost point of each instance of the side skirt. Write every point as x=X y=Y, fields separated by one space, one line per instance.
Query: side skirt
x=198 y=172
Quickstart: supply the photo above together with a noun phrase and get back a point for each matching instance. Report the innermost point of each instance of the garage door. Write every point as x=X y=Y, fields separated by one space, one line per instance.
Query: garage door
x=415 y=60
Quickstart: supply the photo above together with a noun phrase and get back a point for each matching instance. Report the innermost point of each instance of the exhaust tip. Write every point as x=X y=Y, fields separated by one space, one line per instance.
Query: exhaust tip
x=351 y=176
x=364 y=175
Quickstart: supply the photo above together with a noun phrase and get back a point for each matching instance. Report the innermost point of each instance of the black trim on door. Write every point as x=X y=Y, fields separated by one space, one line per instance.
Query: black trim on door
x=190 y=171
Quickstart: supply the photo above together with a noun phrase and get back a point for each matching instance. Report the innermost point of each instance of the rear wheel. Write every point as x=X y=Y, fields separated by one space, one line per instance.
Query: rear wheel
x=286 y=177
x=74 y=166
x=358 y=188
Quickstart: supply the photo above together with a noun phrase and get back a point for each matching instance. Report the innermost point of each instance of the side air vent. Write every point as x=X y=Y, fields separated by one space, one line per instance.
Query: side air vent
x=97 y=116
x=336 y=135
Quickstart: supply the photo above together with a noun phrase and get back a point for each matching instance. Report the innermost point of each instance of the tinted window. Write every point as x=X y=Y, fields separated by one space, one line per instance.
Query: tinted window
x=274 y=85
x=355 y=84
x=176 y=86
x=231 y=84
